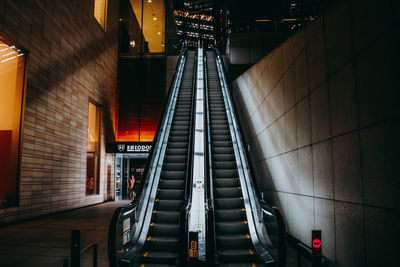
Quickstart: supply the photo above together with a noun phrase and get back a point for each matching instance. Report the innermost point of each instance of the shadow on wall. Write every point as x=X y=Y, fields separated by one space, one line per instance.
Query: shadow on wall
x=93 y=52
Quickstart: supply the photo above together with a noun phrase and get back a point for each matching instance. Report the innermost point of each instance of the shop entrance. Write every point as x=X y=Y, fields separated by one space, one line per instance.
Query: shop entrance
x=128 y=166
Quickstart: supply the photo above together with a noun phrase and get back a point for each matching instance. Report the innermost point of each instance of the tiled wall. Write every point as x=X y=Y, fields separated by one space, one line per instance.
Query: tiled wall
x=321 y=114
x=70 y=59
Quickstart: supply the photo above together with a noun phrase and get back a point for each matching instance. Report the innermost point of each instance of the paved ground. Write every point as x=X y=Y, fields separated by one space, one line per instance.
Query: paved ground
x=45 y=242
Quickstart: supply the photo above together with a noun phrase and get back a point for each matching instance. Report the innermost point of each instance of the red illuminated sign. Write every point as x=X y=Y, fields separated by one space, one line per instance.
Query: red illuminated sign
x=316 y=243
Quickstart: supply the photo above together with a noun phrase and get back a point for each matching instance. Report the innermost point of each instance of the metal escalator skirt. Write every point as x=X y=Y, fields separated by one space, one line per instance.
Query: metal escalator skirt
x=249 y=196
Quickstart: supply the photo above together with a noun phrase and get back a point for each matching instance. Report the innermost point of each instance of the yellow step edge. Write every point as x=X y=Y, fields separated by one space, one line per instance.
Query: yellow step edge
x=245 y=222
x=239 y=187
x=248 y=236
x=243 y=209
x=142 y=265
x=148 y=238
x=157 y=199
x=145 y=255
x=154 y=211
x=253 y=265
x=152 y=224
x=241 y=197
x=251 y=251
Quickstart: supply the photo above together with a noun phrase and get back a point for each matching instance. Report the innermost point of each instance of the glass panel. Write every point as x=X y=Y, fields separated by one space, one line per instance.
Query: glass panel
x=100 y=12
x=92 y=150
x=12 y=69
x=152 y=23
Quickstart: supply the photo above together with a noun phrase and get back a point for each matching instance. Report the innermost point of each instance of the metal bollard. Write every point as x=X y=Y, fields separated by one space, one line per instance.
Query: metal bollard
x=95 y=255
x=75 y=248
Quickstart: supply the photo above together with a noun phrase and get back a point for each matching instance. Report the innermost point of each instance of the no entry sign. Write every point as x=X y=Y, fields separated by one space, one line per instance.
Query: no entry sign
x=316 y=247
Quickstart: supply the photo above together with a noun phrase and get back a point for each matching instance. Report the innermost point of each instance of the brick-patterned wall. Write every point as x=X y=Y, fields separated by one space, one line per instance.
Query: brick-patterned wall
x=70 y=59
x=321 y=115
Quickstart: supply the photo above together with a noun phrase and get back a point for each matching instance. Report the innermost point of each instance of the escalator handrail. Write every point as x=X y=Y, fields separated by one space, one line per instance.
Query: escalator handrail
x=252 y=205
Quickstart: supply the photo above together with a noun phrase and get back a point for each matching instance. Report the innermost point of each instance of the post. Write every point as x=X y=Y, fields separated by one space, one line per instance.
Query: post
x=316 y=246
x=75 y=248
x=95 y=255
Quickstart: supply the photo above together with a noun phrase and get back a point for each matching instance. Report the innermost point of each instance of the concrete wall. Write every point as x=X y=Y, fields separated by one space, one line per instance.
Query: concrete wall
x=249 y=47
x=70 y=59
x=321 y=120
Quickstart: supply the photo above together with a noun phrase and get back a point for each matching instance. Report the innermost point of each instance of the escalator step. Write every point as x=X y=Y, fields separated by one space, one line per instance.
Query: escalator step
x=230 y=215
x=163 y=229
x=231 y=228
x=228 y=203
x=227 y=192
x=173 y=175
x=237 y=255
x=166 y=216
x=168 y=166
x=219 y=127
x=224 y=137
x=162 y=243
x=175 y=145
x=240 y=241
x=226 y=182
x=159 y=258
x=223 y=157
x=222 y=150
x=176 y=151
x=168 y=205
x=225 y=165
x=174 y=159
x=172 y=184
x=179 y=133
x=222 y=143
x=225 y=173
x=220 y=132
x=170 y=194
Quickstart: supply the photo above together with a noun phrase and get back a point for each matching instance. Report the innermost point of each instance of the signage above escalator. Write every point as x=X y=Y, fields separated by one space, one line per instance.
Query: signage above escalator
x=129 y=147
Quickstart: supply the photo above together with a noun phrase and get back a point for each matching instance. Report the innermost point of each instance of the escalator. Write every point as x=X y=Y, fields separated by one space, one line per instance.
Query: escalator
x=245 y=230
x=233 y=241
x=152 y=230
x=240 y=229
x=162 y=241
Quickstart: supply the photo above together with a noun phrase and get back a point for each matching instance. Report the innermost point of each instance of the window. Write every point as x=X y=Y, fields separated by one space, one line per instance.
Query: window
x=93 y=150
x=12 y=79
x=100 y=12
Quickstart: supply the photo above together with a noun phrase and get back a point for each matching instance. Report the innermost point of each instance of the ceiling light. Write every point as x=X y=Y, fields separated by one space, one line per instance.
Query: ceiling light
x=154 y=18
x=149 y=1
x=159 y=33
x=132 y=43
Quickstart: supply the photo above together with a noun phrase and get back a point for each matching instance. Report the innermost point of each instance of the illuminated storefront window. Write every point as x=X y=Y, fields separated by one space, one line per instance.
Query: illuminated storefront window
x=100 y=12
x=12 y=79
x=93 y=150
x=151 y=19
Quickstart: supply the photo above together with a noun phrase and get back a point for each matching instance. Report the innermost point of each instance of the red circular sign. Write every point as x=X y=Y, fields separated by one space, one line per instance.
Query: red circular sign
x=316 y=243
